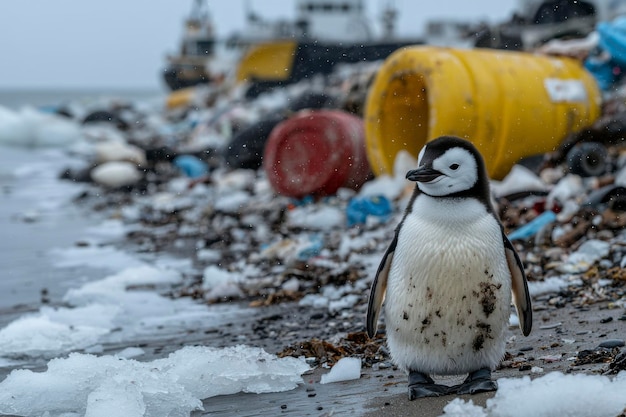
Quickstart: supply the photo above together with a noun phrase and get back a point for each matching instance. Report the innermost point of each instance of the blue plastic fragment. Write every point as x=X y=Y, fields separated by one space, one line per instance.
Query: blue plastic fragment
x=313 y=249
x=304 y=201
x=531 y=228
x=608 y=70
x=191 y=166
x=360 y=207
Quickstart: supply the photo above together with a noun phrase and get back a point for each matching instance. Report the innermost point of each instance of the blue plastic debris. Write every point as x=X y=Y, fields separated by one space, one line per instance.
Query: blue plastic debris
x=607 y=70
x=304 y=201
x=604 y=70
x=191 y=166
x=360 y=207
x=531 y=228
x=613 y=39
x=315 y=246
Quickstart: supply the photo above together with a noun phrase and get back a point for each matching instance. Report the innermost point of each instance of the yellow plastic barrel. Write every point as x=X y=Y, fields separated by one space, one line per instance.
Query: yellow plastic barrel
x=180 y=98
x=270 y=61
x=509 y=104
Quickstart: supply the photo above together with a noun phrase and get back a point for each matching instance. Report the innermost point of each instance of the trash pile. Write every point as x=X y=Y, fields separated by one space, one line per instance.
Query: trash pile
x=270 y=216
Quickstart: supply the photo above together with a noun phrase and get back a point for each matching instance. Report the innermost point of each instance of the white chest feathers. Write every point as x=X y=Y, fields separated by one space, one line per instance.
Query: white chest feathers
x=449 y=288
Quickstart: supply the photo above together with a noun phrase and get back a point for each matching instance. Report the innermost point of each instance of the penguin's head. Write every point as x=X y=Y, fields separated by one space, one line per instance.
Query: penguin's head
x=450 y=166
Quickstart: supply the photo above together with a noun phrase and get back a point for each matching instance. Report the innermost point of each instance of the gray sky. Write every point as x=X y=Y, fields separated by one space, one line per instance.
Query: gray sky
x=60 y=44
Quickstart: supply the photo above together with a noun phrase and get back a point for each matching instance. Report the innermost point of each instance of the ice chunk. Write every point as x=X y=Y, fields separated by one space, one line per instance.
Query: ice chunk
x=554 y=394
x=316 y=217
x=112 y=289
x=343 y=303
x=232 y=203
x=589 y=253
x=219 y=283
x=233 y=369
x=385 y=185
x=314 y=300
x=345 y=370
x=31 y=128
x=112 y=386
x=81 y=382
x=568 y=187
x=130 y=352
x=519 y=179
x=550 y=285
x=55 y=331
x=112 y=398
x=460 y=408
x=98 y=308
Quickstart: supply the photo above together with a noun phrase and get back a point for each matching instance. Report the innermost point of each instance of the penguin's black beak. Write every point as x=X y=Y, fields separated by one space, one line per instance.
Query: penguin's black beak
x=423 y=174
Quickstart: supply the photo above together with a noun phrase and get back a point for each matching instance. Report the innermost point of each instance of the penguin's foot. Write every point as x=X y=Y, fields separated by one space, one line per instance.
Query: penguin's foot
x=477 y=381
x=421 y=385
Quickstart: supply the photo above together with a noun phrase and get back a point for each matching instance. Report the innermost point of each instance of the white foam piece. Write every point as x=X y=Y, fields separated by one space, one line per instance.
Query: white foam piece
x=346 y=369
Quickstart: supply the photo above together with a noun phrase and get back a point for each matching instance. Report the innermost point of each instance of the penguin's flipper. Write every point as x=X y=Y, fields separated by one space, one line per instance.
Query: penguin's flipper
x=379 y=287
x=521 y=296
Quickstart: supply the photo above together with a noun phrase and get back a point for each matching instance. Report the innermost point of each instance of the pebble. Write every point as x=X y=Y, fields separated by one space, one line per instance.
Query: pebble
x=612 y=343
x=550 y=326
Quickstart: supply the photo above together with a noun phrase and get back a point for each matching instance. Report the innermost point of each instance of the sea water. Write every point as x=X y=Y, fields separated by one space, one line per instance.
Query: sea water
x=54 y=98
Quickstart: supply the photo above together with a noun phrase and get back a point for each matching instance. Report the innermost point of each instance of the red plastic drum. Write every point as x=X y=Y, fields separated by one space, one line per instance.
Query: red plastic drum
x=316 y=153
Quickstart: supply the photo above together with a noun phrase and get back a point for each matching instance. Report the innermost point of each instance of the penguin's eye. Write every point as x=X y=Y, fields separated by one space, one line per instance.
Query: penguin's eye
x=454 y=167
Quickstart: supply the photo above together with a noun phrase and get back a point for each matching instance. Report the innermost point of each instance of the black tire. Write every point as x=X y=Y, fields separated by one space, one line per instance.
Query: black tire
x=587 y=159
x=246 y=148
x=312 y=100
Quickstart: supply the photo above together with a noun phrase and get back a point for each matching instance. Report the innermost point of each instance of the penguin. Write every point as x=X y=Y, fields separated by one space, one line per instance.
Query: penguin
x=448 y=276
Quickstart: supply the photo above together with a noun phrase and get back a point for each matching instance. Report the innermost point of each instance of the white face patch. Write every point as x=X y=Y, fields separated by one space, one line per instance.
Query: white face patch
x=419 y=157
x=459 y=169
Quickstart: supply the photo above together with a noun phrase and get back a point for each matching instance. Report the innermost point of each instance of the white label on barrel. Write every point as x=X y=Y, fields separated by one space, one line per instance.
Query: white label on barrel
x=565 y=90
